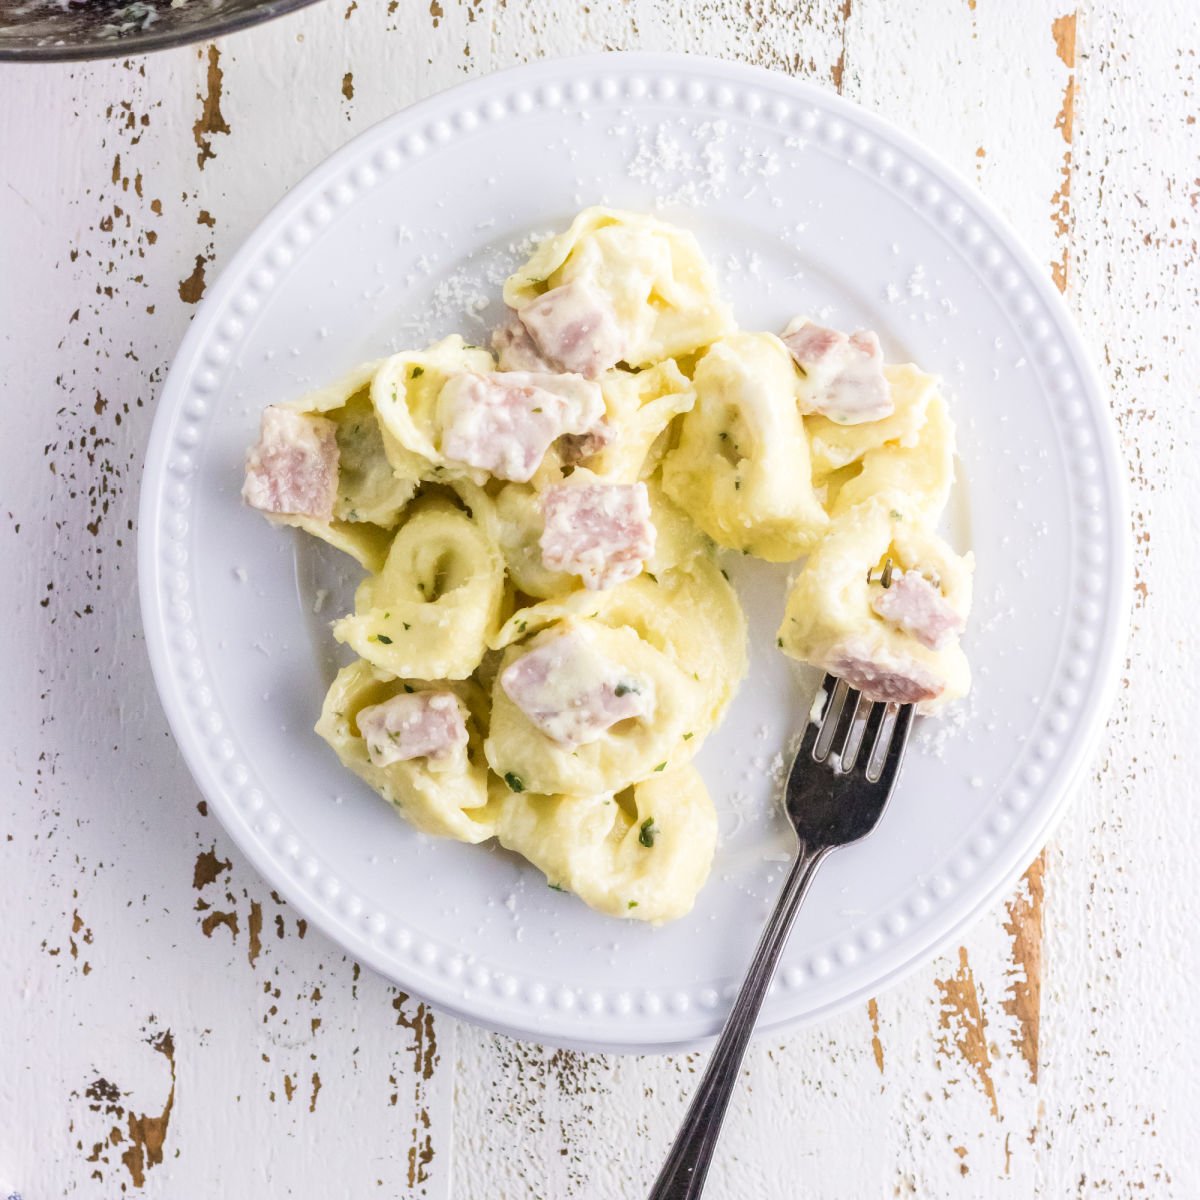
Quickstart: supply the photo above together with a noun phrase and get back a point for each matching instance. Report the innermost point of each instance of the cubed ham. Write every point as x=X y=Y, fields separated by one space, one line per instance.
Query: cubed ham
x=843 y=375
x=413 y=725
x=881 y=675
x=913 y=604
x=578 y=447
x=516 y=350
x=574 y=325
x=572 y=692
x=599 y=531
x=504 y=422
x=293 y=468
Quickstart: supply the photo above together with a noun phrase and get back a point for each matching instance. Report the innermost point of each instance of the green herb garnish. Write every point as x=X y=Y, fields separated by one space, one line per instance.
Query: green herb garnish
x=515 y=782
x=623 y=689
x=417 y=372
x=687 y=737
x=648 y=833
x=383 y=637
x=662 y=766
x=557 y=887
x=632 y=904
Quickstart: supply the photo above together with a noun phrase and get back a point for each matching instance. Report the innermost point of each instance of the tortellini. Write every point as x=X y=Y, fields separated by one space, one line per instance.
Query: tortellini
x=641 y=405
x=372 y=491
x=450 y=801
x=642 y=853
x=741 y=467
x=919 y=467
x=405 y=391
x=432 y=609
x=880 y=603
x=653 y=278
x=632 y=749
x=835 y=446
x=690 y=613
x=545 y=635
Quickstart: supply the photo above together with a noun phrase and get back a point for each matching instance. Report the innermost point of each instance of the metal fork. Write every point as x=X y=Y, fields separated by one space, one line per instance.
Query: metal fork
x=837 y=789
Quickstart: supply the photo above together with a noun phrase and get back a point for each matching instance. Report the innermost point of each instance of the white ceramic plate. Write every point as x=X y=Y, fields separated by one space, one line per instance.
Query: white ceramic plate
x=805 y=204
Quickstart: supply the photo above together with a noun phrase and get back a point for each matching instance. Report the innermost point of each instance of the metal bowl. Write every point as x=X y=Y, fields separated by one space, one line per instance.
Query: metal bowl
x=66 y=30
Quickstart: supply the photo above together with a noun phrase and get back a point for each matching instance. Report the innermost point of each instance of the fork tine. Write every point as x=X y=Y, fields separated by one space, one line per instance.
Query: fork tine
x=812 y=729
x=829 y=720
x=895 y=753
x=854 y=739
x=841 y=734
x=868 y=746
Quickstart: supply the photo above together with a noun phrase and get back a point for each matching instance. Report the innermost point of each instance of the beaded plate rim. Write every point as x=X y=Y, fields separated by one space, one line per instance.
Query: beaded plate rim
x=1055 y=752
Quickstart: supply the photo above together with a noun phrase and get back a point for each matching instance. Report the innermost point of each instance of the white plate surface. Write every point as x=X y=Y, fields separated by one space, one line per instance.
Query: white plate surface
x=805 y=204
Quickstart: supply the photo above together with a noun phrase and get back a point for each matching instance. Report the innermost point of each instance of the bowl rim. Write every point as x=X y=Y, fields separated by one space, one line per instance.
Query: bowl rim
x=150 y=41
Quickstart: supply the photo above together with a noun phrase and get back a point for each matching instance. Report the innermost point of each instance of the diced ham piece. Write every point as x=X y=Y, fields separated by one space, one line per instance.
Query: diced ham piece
x=914 y=605
x=843 y=376
x=413 y=725
x=504 y=422
x=574 y=325
x=880 y=675
x=516 y=350
x=599 y=531
x=572 y=692
x=293 y=469
x=577 y=447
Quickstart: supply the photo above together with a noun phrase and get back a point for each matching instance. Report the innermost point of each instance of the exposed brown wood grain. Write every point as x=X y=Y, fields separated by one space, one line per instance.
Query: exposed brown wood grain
x=211 y=120
x=876 y=1044
x=254 y=929
x=419 y=1021
x=839 y=67
x=191 y=289
x=1063 y=31
x=963 y=1040
x=1024 y=926
x=208 y=868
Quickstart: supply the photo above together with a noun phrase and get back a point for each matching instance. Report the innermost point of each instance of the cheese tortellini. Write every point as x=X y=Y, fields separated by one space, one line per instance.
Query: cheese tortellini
x=890 y=629
x=596 y=846
x=644 y=284
x=741 y=467
x=372 y=486
x=545 y=635
x=448 y=799
x=432 y=609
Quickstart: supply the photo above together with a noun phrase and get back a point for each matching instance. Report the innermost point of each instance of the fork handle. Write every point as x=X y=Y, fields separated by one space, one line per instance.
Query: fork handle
x=683 y=1174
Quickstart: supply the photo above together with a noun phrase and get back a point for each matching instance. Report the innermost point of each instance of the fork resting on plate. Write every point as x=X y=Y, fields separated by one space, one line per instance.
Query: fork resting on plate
x=837 y=789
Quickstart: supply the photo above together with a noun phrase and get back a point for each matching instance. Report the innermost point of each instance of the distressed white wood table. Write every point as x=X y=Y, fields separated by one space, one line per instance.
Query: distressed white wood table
x=168 y=1027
